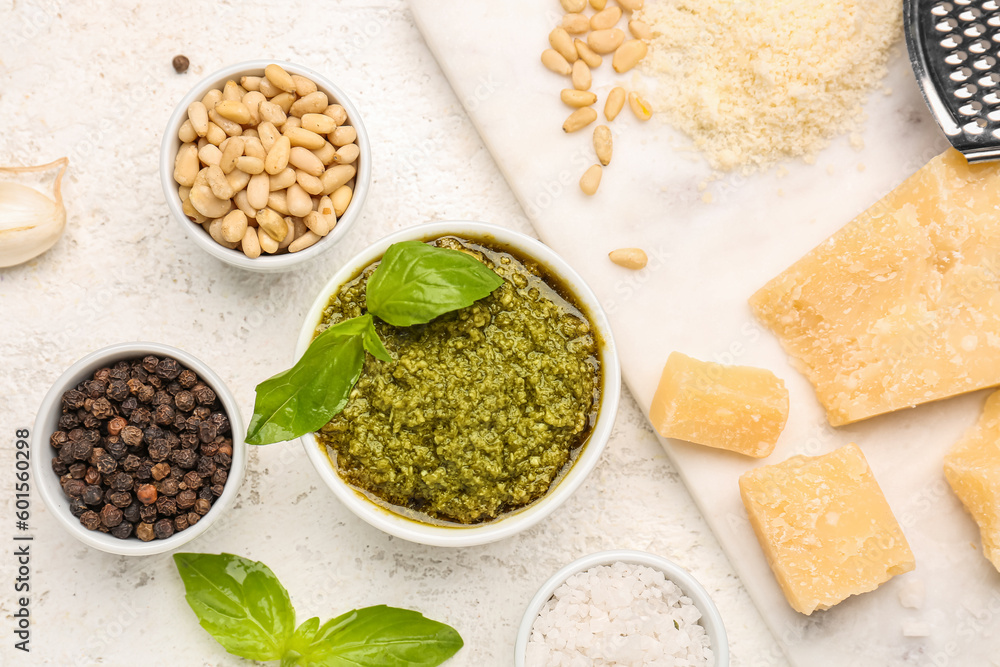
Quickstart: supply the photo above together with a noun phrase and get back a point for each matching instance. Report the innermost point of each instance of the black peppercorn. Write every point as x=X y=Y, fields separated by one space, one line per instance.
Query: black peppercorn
x=166 y=506
x=201 y=506
x=101 y=409
x=181 y=522
x=78 y=470
x=207 y=431
x=58 y=439
x=206 y=466
x=184 y=458
x=168 y=369
x=163 y=528
x=159 y=450
x=181 y=64
x=160 y=470
x=122 y=531
x=140 y=417
x=203 y=394
x=121 y=481
x=144 y=531
x=185 y=499
x=221 y=421
x=103 y=461
x=219 y=477
x=111 y=516
x=72 y=400
x=184 y=400
x=217 y=490
x=164 y=415
x=90 y=520
x=68 y=421
x=131 y=463
x=121 y=499
x=192 y=480
x=205 y=493
x=118 y=390
x=92 y=495
x=73 y=488
x=146 y=494
x=131 y=513
x=149 y=363
x=115 y=447
x=193 y=518
x=132 y=436
x=223 y=460
x=58 y=467
x=96 y=388
x=189 y=439
x=128 y=405
x=92 y=476
x=77 y=507
x=169 y=487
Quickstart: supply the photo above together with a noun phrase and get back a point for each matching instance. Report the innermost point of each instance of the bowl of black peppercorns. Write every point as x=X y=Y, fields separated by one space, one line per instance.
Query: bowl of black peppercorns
x=138 y=448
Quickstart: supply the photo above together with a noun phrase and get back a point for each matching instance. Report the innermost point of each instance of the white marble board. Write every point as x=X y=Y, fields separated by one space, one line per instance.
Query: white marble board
x=706 y=259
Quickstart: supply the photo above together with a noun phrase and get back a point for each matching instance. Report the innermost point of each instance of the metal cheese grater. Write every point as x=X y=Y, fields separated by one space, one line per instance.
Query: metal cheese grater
x=954 y=46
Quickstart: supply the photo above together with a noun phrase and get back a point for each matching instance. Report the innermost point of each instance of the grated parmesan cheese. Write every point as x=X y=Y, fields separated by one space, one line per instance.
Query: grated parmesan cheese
x=753 y=82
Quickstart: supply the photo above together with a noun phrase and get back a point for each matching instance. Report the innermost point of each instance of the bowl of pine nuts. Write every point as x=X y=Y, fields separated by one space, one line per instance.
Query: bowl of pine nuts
x=265 y=165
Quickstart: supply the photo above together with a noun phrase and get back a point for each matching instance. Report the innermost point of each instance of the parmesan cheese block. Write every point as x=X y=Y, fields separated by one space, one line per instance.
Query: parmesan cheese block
x=901 y=306
x=972 y=467
x=825 y=527
x=738 y=408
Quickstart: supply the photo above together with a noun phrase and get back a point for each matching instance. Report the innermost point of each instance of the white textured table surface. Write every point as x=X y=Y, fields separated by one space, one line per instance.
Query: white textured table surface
x=93 y=81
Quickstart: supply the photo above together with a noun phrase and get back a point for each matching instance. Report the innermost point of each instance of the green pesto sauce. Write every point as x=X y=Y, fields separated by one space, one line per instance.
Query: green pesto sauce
x=481 y=409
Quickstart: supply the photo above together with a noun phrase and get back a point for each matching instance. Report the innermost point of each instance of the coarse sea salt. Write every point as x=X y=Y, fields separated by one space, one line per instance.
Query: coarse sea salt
x=618 y=615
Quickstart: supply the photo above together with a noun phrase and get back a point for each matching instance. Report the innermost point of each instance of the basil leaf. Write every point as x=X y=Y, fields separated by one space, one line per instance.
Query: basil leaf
x=416 y=282
x=300 y=642
x=239 y=602
x=304 y=398
x=381 y=636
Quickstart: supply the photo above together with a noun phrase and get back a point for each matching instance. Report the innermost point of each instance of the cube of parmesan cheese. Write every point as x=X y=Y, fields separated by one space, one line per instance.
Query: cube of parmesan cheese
x=738 y=408
x=901 y=306
x=972 y=468
x=825 y=527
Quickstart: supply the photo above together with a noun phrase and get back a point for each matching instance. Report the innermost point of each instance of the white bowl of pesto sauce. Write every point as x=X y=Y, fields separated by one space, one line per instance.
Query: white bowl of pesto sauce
x=414 y=525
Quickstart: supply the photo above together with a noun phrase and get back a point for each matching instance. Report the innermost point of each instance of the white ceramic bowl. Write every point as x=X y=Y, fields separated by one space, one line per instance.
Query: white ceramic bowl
x=711 y=619
x=457 y=535
x=46 y=423
x=265 y=263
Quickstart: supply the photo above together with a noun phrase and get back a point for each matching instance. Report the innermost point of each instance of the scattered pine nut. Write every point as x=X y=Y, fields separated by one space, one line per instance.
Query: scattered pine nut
x=598 y=4
x=628 y=55
x=579 y=119
x=560 y=40
x=591 y=179
x=553 y=60
x=639 y=106
x=587 y=54
x=614 y=104
x=603 y=144
x=581 y=76
x=606 y=18
x=605 y=41
x=640 y=29
x=630 y=258
x=575 y=24
x=631 y=5
x=573 y=6
x=577 y=98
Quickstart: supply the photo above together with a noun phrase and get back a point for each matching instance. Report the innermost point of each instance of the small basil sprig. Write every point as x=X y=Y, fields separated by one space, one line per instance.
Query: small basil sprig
x=304 y=397
x=413 y=284
x=416 y=282
x=246 y=609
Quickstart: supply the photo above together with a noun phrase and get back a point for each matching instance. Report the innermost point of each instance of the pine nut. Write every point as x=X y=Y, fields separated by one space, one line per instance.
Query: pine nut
x=250 y=133
x=277 y=75
x=209 y=154
x=337 y=113
x=252 y=147
x=325 y=154
x=289 y=234
x=587 y=54
x=603 y=144
x=317 y=223
x=575 y=23
x=579 y=119
x=277 y=157
x=299 y=201
x=191 y=212
x=598 y=4
x=250 y=165
x=243 y=203
x=184 y=191
x=234 y=110
x=266 y=241
x=318 y=123
x=284 y=101
x=234 y=226
x=252 y=102
x=232 y=151
x=342 y=136
x=250 y=244
x=238 y=179
x=250 y=83
x=605 y=41
x=315 y=102
x=347 y=154
x=202 y=177
x=278 y=201
x=573 y=6
x=215 y=134
x=215 y=231
x=639 y=106
x=198 y=115
x=628 y=55
x=267 y=88
x=292 y=121
x=258 y=189
x=231 y=128
x=300 y=226
x=341 y=199
x=268 y=135
x=577 y=98
x=606 y=18
x=640 y=29
x=555 y=62
x=272 y=223
x=219 y=184
x=303 y=86
x=187 y=134
x=308 y=182
x=336 y=176
x=581 y=76
x=563 y=43
x=615 y=103
x=631 y=5
x=306 y=240
x=212 y=98
x=306 y=160
x=272 y=113
x=299 y=137
x=206 y=203
x=282 y=180
x=591 y=179
x=630 y=258
x=202 y=142
x=186 y=165
x=232 y=91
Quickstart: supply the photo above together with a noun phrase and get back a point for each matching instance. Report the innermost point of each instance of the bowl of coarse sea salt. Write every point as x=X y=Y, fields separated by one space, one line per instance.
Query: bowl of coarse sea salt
x=625 y=608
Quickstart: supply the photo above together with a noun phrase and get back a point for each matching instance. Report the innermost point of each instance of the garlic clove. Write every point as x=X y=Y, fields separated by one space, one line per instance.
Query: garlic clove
x=30 y=222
